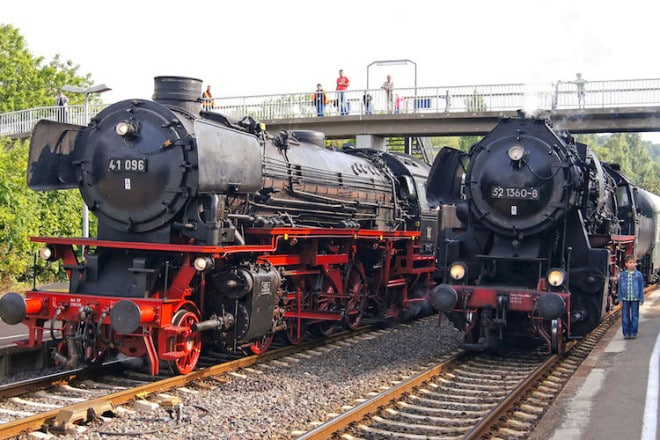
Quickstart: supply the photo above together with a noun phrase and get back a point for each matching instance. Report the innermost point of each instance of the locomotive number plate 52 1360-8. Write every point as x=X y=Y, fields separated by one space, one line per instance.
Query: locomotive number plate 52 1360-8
x=116 y=165
x=507 y=192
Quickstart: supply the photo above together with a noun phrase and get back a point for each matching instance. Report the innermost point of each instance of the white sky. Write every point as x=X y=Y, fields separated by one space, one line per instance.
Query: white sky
x=258 y=47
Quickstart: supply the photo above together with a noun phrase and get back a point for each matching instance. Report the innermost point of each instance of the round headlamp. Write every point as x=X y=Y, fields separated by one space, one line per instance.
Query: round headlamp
x=457 y=271
x=556 y=277
x=516 y=152
x=45 y=253
x=126 y=129
x=202 y=263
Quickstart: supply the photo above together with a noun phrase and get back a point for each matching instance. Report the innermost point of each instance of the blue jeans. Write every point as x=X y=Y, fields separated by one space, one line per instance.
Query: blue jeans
x=341 y=103
x=320 y=110
x=630 y=318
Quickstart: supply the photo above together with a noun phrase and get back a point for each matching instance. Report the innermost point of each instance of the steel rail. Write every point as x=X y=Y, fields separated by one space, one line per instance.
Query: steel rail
x=100 y=404
x=327 y=429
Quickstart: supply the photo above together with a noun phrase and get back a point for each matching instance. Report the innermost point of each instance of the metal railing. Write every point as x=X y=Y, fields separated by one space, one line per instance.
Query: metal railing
x=470 y=98
x=22 y=122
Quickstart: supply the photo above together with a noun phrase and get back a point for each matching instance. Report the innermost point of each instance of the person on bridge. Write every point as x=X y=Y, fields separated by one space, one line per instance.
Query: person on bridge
x=319 y=100
x=367 y=101
x=342 y=85
x=208 y=103
x=630 y=291
x=388 y=86
x=398 y=102
x=555 y=96
x=61 y=101
x=580 y=83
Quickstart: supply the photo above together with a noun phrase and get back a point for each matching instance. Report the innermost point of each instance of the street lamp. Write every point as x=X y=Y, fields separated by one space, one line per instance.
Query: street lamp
x=392 y=63
x=98 y=88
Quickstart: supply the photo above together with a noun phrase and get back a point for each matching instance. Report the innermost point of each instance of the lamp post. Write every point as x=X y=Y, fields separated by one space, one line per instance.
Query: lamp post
x=98 y=88
x=393 y=63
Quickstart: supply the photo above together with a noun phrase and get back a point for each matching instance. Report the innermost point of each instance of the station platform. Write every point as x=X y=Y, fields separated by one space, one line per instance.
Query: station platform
x=10 y=333
x=614 y=393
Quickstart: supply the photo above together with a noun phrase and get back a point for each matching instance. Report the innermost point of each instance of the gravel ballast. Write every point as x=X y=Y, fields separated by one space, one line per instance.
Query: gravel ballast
x=284 y=397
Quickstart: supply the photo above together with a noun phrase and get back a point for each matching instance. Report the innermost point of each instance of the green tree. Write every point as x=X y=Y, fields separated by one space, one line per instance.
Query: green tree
x=27 y=81
x=25 y=213
x=634 y=156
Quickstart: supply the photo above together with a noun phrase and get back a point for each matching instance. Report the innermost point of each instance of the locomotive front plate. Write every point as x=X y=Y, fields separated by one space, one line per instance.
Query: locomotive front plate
x=117 y=165
x=508 y=192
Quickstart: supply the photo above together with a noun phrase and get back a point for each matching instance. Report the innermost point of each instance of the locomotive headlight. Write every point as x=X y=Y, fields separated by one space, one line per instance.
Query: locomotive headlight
x=556 y=277
x=126 y=129
x=45 y=253
x=516 y=153
x=202 y=263
x=457 y=271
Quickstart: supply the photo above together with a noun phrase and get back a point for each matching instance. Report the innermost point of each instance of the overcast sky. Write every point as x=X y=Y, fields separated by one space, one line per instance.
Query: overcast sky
x=271 y=47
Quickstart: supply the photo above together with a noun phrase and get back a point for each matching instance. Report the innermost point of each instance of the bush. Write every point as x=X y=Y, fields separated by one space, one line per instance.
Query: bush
x=25 y=213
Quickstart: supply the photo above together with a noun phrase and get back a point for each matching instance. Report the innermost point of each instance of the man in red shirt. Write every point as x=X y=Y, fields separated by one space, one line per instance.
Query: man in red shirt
x=342 y=85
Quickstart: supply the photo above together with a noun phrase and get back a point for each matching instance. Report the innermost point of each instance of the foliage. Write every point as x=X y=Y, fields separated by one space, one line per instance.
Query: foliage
x=634 y=156
x=462 y=143
x=27 y=81
x=25 y=213
x=655 y=151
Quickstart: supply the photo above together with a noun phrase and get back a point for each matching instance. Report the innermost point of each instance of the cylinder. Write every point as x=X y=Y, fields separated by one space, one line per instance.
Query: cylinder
x=207 y=325
x=179 y=91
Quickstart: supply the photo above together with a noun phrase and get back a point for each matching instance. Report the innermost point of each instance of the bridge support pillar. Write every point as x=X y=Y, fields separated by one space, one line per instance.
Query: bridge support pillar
x=370 y=141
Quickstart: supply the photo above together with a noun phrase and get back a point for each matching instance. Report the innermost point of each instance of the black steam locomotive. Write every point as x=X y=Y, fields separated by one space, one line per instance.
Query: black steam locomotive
x=544 y=227
x=213 y=232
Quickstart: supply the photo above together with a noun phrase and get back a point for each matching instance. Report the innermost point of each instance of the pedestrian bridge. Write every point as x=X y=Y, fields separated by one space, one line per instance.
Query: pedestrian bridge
x=610 y=106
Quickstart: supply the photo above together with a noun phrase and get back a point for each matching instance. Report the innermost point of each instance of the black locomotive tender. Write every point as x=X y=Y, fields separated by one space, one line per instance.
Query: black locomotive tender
x=211 y=232
x=544 y=227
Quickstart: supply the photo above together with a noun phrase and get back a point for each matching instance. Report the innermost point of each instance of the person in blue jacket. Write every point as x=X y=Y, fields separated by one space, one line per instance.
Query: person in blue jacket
x=631 y=294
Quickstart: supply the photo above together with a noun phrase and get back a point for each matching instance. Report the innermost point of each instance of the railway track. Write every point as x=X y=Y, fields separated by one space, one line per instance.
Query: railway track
x=520 y=413
x=466 y=396
x=63 y=401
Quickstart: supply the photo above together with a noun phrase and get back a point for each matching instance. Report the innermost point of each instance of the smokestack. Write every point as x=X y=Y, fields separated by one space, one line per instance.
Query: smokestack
x=179 y=91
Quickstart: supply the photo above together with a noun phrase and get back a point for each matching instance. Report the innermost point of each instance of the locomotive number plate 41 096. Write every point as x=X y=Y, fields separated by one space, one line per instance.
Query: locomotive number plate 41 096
x=116 y=165
x=508 y=192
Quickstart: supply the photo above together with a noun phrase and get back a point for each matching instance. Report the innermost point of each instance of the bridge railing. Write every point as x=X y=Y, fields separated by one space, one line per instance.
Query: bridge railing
x=470 y=98
x=22 y=122
x=467 y=98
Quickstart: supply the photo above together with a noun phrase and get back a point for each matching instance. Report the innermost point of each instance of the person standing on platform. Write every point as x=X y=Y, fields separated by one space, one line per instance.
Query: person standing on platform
x=631 y=294
x=342 y=85
x=388 y=86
